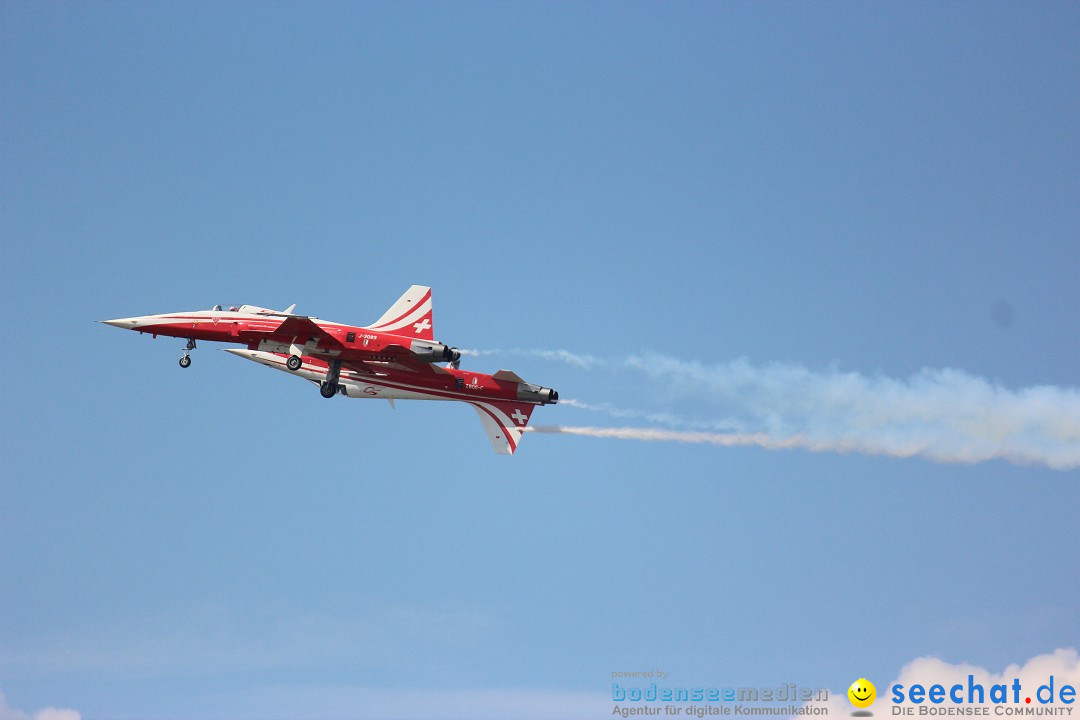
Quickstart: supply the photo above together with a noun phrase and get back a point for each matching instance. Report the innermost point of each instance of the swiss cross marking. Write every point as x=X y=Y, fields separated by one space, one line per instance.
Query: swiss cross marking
x=422 y=325
x=519 y=417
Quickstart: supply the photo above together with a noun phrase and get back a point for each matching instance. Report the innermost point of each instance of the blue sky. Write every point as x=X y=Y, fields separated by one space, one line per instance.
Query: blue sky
x=857 y=190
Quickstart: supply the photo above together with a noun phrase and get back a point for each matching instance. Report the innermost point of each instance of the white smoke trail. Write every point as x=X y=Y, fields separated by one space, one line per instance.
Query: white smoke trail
x=943 y=415
x=585 y=362
x=681 y=436
x=657 y=417
x=769 y=442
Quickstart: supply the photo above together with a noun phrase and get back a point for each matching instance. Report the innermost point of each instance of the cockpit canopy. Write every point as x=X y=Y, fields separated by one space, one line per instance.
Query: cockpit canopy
x=250 y=309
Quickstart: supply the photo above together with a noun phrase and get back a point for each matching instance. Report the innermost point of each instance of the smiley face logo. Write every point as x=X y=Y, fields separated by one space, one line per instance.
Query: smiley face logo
x=862 y=693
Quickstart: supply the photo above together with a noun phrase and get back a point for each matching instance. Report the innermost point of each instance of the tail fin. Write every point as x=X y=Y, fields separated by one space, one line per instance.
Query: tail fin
x=504 y=422
x=409 y=316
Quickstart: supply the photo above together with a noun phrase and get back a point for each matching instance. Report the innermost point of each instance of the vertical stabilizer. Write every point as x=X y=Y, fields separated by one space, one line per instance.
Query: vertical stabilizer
x=504 y=422
x=409 y=316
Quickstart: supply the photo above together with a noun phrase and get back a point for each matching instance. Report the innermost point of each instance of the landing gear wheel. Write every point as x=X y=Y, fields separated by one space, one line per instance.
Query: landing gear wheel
x=294 y=363
x=185 y=361
x=327 y=390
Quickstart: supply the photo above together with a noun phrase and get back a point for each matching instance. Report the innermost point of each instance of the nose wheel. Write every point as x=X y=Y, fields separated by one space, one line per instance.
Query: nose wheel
x=294 y=363
x=185 y=360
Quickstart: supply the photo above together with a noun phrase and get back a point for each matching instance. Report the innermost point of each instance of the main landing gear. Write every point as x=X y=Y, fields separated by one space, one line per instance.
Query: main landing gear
x=185 y=360
x=329 y=388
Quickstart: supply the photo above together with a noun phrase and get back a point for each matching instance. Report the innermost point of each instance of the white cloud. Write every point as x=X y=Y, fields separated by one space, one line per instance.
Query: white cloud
x=50 y=713
x=1063 y=664
x=57 y=714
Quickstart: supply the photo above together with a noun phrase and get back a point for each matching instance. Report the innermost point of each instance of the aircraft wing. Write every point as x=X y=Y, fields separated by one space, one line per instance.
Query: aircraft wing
x=504 y=422
x=392 y=357
x=358 y=365
x=297 y=326
x=287 y=330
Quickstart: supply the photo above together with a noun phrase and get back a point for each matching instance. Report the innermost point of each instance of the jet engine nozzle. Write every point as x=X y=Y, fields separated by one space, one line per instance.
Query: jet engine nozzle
x=434 y=352
x=527 y=392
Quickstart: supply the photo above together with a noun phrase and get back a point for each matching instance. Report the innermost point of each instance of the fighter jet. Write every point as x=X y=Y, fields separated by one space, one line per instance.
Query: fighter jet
x=395 y=358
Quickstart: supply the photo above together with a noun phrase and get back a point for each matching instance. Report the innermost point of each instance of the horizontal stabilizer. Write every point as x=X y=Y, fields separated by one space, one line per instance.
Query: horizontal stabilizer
x=507 y=375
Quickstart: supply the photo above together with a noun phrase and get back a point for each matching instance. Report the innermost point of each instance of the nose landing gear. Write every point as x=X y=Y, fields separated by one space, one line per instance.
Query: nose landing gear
x=185 y=360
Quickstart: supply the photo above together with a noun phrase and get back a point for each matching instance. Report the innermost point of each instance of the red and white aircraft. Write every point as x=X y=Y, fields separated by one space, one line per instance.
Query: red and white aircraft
x=394 y=359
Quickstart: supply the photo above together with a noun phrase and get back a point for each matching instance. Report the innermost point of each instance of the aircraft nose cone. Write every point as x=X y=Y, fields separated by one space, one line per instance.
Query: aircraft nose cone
x=124 y=323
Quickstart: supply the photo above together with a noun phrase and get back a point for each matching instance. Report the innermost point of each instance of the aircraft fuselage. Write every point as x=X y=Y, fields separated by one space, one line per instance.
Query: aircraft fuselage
x=395 y=358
